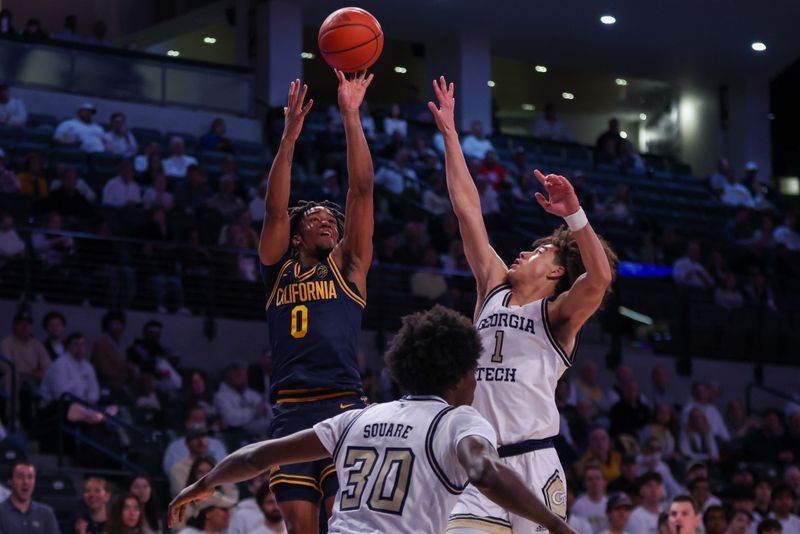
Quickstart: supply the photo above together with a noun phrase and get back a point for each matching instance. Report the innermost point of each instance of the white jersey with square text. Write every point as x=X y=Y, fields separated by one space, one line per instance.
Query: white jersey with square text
x=518 y=369
x=397 y=464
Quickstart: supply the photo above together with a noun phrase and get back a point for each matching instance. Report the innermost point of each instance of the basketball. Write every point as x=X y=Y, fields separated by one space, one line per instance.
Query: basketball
x=350 y=39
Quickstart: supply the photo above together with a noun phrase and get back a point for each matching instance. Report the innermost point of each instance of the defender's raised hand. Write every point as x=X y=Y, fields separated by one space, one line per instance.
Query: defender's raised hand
x=562 y=200
x=295 y=111
x=444 y=115
x=351 y=92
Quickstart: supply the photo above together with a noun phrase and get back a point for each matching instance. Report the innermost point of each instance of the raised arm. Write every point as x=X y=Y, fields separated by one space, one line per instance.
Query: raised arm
x=486 y=265
x=503 y=485
x=247 y=463
x=275 y=228
x=573 y=308
x=354 y=253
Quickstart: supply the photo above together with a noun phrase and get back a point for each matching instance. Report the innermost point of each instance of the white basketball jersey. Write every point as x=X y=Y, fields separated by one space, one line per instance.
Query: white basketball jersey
x=397 y=464
x=518 y=369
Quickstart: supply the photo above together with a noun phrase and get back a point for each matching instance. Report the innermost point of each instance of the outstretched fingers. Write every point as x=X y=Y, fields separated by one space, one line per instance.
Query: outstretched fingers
x=543 y=202
x=539 y=176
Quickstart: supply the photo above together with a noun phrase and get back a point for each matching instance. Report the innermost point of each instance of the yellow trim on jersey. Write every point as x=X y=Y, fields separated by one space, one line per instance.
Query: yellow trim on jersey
x=328 y=471
x=300 y=390
x=277 y=283
x=280 y=480
x=349 y=292
x=478 y=523
x=318 y=397
x=303 y=276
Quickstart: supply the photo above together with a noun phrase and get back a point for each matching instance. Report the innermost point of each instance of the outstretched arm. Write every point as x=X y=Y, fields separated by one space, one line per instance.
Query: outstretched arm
x=573 y=308
x=247 y=463
x=486 y=265
x=503 y=485
x=355 y=251
x=275 y=228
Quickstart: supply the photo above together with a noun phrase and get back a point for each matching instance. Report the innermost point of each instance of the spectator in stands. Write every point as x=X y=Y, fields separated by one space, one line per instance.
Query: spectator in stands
x=93 y=517
x=663 y=428
x=626 y=481
x=141 y=486
x=69 y=201
x=211 y=515
x=179 y=449
x=193 y=192
x=619 y=208
x=33 y=31
x=11 y=246
x=19 y=513
x=242 y=266
x=82 y=131
x=684 y=515
x=618 y=513
x=7 y=23
x=650 y=491
x=74 y=375
x=240 y=408
x=54 y=324
x=120 y=140
x=719 y=178
x=791 y=450
x=757 y=291
x=122 y=191
x=12 y=110
x=610 y=142
x=629 y=415
x=700 y=491
x=196 y=393
x=196 y=440
x=52 y=248
x=367 y=122
x=702 y=398
x=99 y=36
x=257 y=208
x=622 y=375
x=549 y=127
x=660 y=391
x=739 y=423
x=428 y=284
x=715 y=521
x=587 y=385
x=493 y=170
x=31 y=181
x=126 y=516
x=786 y=234
x=490 y=202
x=157 y=196
x=70 y=31
x=697 y=439
x=728 y=296
x=398 y=177
x=63 y=172
x=476 y=144
x=578 y=523
x=142 y=162
x=394 y=122
x=28 y=354
x=226 y=203
x=435 y=199
x=689 y=272
x=9 y=183
x=178 y=163
x=762 y=507
x=107 y=357
x=630 y=159
x=766 y=441
x=601 y=453
x=791 y=477
x=200 y=468
x=592 y=504
x=271 y=520
x=215 y=138
x=735 y=194
x=148 y=356
x=740 y=521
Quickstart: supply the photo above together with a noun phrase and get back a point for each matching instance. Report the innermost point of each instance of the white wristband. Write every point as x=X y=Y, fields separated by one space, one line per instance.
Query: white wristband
x=577 y=220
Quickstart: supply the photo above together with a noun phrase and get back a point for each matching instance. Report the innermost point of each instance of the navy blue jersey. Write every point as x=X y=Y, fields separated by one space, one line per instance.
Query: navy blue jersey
x=314 y=318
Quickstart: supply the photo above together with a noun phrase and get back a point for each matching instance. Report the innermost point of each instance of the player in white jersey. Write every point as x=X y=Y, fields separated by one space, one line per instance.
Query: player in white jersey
x=528 y=317
x=402 y=464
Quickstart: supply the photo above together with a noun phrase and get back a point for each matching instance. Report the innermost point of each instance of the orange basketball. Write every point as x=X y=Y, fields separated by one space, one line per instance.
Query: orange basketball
x=350 y=39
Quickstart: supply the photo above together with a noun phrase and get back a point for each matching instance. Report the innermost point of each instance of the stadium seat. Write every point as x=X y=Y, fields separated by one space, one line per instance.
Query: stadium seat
x=105 y=163
x=145 y=135
x=42 y=119
x=69 y=156
x=247 y=148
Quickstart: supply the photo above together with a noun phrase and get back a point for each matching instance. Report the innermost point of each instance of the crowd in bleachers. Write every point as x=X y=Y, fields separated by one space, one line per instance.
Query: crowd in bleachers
x=34 y=31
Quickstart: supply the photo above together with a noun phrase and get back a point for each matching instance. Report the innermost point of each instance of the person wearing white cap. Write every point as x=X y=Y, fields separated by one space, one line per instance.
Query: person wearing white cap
x=211 y=515
x=82 y=131
x=12 y=110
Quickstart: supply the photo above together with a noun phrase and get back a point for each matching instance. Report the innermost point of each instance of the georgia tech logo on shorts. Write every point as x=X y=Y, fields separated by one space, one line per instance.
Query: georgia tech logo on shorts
x=322 y=271
x=555 y=495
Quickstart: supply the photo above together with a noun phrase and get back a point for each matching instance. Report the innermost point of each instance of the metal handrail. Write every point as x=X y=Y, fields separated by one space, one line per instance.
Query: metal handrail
x=12 y=404
x=767 y=389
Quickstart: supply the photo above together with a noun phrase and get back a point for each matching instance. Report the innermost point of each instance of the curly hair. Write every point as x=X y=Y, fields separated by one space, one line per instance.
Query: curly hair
x=569 y=256
x=303 y=207
x=433 y=351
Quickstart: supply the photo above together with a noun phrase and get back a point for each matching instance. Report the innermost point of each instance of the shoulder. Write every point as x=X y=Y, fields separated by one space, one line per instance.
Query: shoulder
x=40 y=508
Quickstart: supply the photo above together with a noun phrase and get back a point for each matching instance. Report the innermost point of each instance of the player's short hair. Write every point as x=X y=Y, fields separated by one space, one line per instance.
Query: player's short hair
x=296 y=214
x=569 y=256
x=433 y=351
x=686 y=498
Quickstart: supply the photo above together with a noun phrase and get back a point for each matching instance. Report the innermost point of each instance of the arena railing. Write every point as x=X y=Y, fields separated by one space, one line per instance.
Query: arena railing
x=127 y=75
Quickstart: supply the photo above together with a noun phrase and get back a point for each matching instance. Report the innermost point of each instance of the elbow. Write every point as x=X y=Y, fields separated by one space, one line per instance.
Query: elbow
x=484 y=473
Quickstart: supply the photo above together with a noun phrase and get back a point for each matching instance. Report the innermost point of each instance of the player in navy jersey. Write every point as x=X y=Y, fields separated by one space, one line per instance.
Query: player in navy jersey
x=314 y=262
x=402 y=463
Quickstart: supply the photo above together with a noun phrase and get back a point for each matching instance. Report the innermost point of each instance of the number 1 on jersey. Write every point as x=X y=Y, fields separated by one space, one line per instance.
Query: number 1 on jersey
x=497 y=356
x=299 y=321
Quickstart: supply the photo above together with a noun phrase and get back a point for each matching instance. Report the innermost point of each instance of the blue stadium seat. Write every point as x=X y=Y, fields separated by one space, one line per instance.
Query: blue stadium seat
x=247 y=148
x=41 y=119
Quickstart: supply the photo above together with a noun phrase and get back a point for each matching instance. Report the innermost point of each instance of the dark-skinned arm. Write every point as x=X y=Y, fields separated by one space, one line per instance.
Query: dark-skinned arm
x=247 y=463
x=503 y=485
x=275 y=229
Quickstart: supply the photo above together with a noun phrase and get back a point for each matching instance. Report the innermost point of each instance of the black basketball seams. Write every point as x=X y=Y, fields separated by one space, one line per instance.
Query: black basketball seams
x=376 y=37
x=374 y=52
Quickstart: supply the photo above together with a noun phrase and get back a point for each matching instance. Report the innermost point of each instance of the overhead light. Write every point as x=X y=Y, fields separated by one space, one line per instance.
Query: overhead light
x=307 y=55
x=540 y=69
x=173 y=53
x=528 y=107
x=758 y=46
x=400 y=70
x=623 y=134
x=567 y=96
x=490 y=83
x=607 y=19
x=642 y=116
x=209 y=40
x=621 y=82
